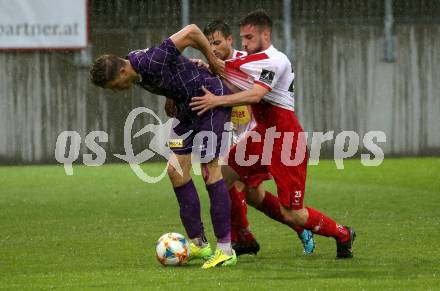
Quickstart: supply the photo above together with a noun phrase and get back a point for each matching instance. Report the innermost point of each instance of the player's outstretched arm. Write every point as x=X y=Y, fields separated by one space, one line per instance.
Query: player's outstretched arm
x=192 y=36
x=210 y=101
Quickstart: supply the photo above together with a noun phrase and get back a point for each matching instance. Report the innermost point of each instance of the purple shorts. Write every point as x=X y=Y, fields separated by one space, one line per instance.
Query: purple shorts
x=207 y=137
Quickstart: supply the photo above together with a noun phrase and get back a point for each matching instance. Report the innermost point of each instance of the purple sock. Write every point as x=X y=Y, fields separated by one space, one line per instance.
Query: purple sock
x=220 y=210
x=190 y=209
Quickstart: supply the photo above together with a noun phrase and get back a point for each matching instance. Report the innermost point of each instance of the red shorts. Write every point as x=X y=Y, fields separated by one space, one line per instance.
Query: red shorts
x=284 y=161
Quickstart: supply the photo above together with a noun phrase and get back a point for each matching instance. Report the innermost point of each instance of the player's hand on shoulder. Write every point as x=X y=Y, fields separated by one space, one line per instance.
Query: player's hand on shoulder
x=217 y=66
x=200 y=63
x=203 y=103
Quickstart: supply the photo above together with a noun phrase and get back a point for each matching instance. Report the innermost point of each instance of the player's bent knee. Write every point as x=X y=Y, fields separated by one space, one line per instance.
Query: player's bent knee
x=176 y=178
x=211 y=177
x=211 y=172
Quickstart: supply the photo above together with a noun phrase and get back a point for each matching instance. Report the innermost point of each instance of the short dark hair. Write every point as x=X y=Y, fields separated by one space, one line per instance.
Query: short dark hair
x=258 y=18
x=217 y=25
x=105 y=69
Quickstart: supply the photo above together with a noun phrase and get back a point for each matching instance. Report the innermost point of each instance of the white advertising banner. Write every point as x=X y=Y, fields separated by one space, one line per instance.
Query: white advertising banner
x=43 y=24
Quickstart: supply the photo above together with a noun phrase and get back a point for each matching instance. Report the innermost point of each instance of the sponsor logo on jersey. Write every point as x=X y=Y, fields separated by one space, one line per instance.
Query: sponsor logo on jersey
x=240 y=115
x=175 y=143
x=267 y=76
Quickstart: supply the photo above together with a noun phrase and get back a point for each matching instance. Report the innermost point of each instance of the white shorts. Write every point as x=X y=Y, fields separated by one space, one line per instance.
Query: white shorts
x=239 y=131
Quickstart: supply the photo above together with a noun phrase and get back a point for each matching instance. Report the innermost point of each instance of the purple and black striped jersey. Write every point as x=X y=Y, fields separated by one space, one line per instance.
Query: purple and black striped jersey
x=166 y=72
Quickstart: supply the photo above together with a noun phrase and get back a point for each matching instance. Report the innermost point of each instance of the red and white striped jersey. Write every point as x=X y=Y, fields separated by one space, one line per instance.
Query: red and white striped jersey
x=270 y=69
x=236 y=54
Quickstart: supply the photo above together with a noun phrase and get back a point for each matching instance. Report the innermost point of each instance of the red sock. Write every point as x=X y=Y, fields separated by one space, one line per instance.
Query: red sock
x=248 y=236
x=239 y=222
x=271 y=207
x=298 y=229
x=235 y=234
x=323 y=225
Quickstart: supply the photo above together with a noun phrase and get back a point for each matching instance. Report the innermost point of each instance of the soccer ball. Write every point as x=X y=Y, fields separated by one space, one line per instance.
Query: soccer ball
x=172 y=249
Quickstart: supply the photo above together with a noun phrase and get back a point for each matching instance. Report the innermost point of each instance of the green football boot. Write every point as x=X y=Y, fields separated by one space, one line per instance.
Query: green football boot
x=197 y=252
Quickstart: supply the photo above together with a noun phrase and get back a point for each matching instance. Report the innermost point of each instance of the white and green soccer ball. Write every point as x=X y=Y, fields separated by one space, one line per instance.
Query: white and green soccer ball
x=172 y=249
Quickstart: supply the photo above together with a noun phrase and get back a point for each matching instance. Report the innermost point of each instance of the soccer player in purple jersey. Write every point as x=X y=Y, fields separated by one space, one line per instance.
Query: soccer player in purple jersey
x=162 y=70
x=220 y=38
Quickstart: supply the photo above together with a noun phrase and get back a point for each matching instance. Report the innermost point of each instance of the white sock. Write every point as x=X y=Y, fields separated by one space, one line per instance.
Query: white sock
x=225 y=247
x=200 y=242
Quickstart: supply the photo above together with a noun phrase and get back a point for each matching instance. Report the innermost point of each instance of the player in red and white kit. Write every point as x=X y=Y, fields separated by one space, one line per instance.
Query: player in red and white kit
x=220 y=38
x=264 y=78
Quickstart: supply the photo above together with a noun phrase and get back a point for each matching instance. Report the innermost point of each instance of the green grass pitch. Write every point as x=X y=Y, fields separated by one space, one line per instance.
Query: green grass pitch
x=98 y=229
